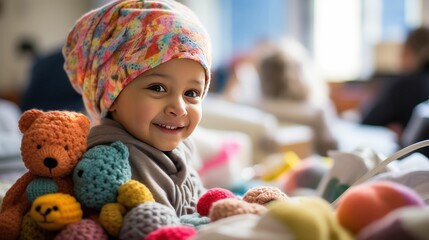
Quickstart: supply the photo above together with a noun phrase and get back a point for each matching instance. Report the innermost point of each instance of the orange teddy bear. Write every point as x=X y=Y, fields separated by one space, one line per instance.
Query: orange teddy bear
x=52 y=144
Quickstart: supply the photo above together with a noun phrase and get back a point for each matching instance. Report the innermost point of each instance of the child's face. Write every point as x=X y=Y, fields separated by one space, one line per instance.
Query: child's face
x=162 y=106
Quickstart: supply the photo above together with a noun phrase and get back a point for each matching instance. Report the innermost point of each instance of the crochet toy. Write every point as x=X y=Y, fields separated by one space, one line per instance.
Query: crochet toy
x=30 y=230
x=172 y=233
x=55 y=210
x=146 y=218
x=52 y=144
x=366 y=203
x=308 y=218
x=299 y=218
x=231 y=206
x=264 y=194
x=102 y=182
x=206 y=200
x=87 y=229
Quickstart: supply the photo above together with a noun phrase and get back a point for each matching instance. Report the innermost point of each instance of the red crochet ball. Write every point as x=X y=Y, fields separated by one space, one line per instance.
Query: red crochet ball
x=172 y=233
x=212 y=195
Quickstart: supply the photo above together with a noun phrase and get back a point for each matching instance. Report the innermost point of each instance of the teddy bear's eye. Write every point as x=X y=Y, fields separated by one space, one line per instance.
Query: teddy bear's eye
x=39 y=146
x=66 y=147
x=55 y=208
x=80 y=173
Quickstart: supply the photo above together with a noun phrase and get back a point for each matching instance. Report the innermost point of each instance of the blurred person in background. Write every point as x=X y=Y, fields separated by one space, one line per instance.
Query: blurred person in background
x=394 y=104
x=48 y=86
x=292 y=89
x=279 y=77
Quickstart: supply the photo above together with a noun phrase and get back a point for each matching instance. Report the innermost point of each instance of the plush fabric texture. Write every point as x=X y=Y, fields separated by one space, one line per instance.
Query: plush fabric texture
x=133 y=193
x=111 y=218
x=52 y=144
x=55 y=210
x=169 y=176
x=86 y=229
x=231 y=206
x=99 y=174
x=308 y=218
x=30 y=230
x=366 y=203
x=112 y=45
x=146 y=218
x=206 y=200
x=194 y=220
x=39 y=187
x=264 y=194
x=172 y=233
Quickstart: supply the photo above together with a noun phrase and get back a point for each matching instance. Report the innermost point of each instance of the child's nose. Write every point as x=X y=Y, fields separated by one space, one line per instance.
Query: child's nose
x=176 y=107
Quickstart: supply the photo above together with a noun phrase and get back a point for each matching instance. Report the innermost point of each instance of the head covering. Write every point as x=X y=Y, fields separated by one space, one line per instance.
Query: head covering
x=110 y=46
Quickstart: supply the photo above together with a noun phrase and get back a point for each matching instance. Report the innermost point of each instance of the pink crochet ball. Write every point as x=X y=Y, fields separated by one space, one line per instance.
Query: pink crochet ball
x=172 y=233
x=212 y=195
x=364 y=204
x=85 y=229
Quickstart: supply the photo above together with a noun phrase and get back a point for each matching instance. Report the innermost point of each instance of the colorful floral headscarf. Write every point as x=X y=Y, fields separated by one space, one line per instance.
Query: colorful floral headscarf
x=110 y=46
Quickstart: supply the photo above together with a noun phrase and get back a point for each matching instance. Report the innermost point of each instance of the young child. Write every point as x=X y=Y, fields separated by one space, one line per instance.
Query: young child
x=143 y=68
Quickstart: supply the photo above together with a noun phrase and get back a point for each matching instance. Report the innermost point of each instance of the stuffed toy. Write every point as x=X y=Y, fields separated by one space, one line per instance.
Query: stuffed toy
x=300 y=218
x=264 y=194
x=52 y=144
x=206 y=200
x=366 y=203
x=102 y=182
x=54 y=211
x=146 y=218
x=87 y=229
x=308 y=218
x=172 y=233
x=232 y=206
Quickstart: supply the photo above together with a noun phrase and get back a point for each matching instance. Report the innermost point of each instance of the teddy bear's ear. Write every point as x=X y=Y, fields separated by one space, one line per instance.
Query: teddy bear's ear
x=121 y=148
x=83 y=122
x=28 y=118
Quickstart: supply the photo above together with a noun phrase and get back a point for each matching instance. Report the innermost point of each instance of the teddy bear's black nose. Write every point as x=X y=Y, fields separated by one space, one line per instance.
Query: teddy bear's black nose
x=50 y=162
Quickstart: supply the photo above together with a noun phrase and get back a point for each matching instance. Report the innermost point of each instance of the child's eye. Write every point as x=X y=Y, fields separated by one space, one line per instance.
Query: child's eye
x=192 y=93
x=157 y=88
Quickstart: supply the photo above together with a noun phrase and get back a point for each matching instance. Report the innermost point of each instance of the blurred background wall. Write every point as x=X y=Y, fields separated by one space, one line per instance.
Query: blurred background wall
x=349 y=40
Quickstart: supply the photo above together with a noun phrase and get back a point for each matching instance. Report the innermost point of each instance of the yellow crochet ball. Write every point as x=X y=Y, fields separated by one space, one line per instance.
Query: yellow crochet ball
x=133 y=193
x=111 y=218
x=55 y=210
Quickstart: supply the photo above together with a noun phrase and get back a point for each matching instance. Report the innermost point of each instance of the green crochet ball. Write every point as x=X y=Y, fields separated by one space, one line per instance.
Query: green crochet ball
x=98 y=175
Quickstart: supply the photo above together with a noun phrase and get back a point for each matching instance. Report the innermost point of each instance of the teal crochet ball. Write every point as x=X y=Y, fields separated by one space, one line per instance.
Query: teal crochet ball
x=98 y=175
x=39 y=187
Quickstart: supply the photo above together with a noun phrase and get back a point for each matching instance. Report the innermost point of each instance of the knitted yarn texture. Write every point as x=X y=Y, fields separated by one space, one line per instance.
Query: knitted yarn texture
x=112 y=45
x=86 y=229
x=232 y=206
x=39 y=187
x=264 y=194
x=146 y=218
x=208 y=198
x=172 y=233
x=99 y=174
x=55 y=210
x=52 y=144
x=30 y=230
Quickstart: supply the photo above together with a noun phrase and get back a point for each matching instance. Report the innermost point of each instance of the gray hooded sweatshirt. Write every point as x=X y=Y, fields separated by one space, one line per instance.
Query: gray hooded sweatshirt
x=169 y=176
